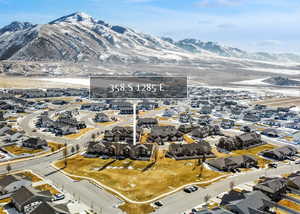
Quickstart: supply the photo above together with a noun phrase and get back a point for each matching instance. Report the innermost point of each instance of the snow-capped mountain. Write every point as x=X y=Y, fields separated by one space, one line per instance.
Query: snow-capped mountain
x=197 y=46
x=16 y=26
x=80 y=38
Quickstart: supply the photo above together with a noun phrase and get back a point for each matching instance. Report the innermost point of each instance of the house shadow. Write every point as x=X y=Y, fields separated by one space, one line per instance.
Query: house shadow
x=106 y=165
x=54 y=171
x=149 y=166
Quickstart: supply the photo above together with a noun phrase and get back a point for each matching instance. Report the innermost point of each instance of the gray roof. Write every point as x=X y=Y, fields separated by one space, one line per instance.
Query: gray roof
x=253 y=200
x=7 y=180
x=22 y=195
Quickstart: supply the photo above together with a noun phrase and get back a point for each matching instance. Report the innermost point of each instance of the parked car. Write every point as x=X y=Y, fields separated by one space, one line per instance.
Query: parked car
x=272 y=165
x=158 y=204
x=245 y=129
x=58 y=197
x=190 y=189
x=297 y=162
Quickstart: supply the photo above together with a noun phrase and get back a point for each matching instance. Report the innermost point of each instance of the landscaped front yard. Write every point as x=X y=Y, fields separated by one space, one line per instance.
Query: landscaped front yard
x=139 y=180
x=45 y=187
x=290 y=204
x=253 y=151
x=79 y=134
x=30 y=176
x=17 y=150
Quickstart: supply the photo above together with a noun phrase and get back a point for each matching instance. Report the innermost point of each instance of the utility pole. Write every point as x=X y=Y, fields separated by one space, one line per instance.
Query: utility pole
x=134 y=123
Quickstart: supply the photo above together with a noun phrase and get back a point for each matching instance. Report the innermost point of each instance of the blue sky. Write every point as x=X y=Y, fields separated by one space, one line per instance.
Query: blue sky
x=253 y=25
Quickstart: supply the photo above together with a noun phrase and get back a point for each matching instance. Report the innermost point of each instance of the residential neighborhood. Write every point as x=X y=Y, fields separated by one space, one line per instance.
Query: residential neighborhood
x=214 y=136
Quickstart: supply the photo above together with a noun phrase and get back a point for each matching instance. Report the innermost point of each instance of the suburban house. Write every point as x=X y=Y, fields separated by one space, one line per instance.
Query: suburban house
x=45 y=208
x=204 y=120
x=205 y=131
x=206 y=110
x=162 y=134
x=120 y=150
x=274 y=188
x=94 y=106
x=251 y=117
x=4 y=130
x=243 y=141
x=281 y=153
x=190 y=151
x=254 y=202
x=185 y=117
x=1 y=116
x=35 y=143
x=233 y=162
x=270 y=133
x=147 y=105
x=11 y=183
x=101 y=118
x=119 y=105
x=25 y=198
x=64 y=125
x=294 y=181
x=227 y=124
x=147 y=122
x=120 y=134
x=169 y=113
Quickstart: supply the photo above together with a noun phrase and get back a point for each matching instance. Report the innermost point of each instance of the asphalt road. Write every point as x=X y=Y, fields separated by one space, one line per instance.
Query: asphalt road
x=180 y=201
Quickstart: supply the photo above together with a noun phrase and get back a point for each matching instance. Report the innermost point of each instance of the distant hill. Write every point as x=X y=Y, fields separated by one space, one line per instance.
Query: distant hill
x=282 y=81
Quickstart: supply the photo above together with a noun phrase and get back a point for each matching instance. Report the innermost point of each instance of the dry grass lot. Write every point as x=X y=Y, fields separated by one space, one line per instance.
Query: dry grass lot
x=2 y=211
x=290 y=204
x=30 y=176
x=135 y=178
x=188 y=139
x=45 y=187
x=16 y=150
x=5 y=200
x=144 y=138
x=106 y=123
x=27 y=82
x=136 y=208
x=55 y=146
x=79 y=134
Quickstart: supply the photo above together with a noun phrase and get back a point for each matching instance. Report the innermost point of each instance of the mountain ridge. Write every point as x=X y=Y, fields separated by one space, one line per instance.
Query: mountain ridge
x=79 y=37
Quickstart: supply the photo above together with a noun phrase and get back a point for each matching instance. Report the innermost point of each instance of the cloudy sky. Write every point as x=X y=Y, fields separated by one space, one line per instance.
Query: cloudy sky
x=253 y=25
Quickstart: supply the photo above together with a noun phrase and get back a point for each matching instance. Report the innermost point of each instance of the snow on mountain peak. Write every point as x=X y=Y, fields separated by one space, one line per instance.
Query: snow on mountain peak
x=75 y=17
x=16 y=26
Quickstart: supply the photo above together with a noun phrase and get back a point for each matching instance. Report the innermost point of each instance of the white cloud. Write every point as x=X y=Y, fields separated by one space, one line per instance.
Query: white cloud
x=218 y=3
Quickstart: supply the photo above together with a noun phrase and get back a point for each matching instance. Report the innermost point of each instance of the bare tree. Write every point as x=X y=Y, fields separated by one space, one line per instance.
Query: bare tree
x=206 y=199
x=93 y=137
x=65 y=154
x=77 y=147
x=231 y=185
x=8 y=168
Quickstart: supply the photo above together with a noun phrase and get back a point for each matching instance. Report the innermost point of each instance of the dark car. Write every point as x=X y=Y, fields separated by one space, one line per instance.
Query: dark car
x=272 y=165
x=245 y=129
x=158 y=203
x=190 y=189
